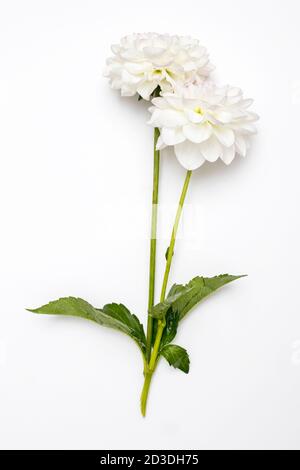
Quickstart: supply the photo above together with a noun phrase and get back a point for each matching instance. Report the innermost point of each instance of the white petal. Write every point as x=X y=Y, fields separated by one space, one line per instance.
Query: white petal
x=153 y=51
x=211 y=149
x=225 y=135
x=247 y=129
x=116 y=84
x=127 y=90
x=137 y=68
x=197 y=133
x=115 y=48
x=228 y=155
x=160 y=103
x=252 y=117
x=130 y=54
x=240 y=145
x=130 y=79
x=174 y=101
x=246 y=103
x=170 y=118
x=145 y=89
x=155 y=117
x=160 y=144
x=165 y=86
x=189 y=155
x=194 y=117
x=234 y=91
x=223 y=116
x=172 y=136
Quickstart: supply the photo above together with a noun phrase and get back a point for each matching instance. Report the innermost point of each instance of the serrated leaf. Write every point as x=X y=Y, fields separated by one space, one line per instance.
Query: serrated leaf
x=176 y=357
x=160 y=310
x=70 y=306
x=115 y=316
x=197 y=289
x=183 y=298
x=128 y=323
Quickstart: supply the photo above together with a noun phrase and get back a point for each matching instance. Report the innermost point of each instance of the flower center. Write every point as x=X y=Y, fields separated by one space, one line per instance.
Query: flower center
x=159 y=73
x=198 y=110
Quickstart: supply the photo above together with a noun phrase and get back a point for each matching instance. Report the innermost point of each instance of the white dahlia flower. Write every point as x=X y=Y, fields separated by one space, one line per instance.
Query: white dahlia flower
x=143 y=62
x=204 y=123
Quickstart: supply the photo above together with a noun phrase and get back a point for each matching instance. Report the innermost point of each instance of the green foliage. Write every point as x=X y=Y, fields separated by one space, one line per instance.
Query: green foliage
x=177 y=357
x=170 y=331
x=182 y=298
x=115 y=316
x=160 y=310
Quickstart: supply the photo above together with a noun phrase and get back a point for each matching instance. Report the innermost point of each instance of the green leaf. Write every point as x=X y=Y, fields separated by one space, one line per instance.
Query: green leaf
x=177 y=357
x=115 y=316
x=128 y=323
x=183 y=298
x=170 y=330
x=197 y=289
x=160 y=310
x=70 y=306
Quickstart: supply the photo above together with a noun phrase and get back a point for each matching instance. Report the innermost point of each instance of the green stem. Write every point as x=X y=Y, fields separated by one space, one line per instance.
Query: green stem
x=173 y=236
x=145 y=391
x=153 y=244
x=162 y=323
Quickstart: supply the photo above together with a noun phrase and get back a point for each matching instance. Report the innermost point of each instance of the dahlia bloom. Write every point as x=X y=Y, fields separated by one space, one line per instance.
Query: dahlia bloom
x=143 y=62
x=203 y=123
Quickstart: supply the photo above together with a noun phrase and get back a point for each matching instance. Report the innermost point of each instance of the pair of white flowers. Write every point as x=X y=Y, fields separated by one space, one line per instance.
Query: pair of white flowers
x=202 y=121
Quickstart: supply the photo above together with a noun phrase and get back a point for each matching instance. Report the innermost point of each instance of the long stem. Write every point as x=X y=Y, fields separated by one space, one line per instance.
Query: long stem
x=153 y=243
x=145 y=391
x=173 y=236
x=161 y=323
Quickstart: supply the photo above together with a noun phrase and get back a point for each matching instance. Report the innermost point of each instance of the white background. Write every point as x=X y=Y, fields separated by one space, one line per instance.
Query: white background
x=74 y=156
